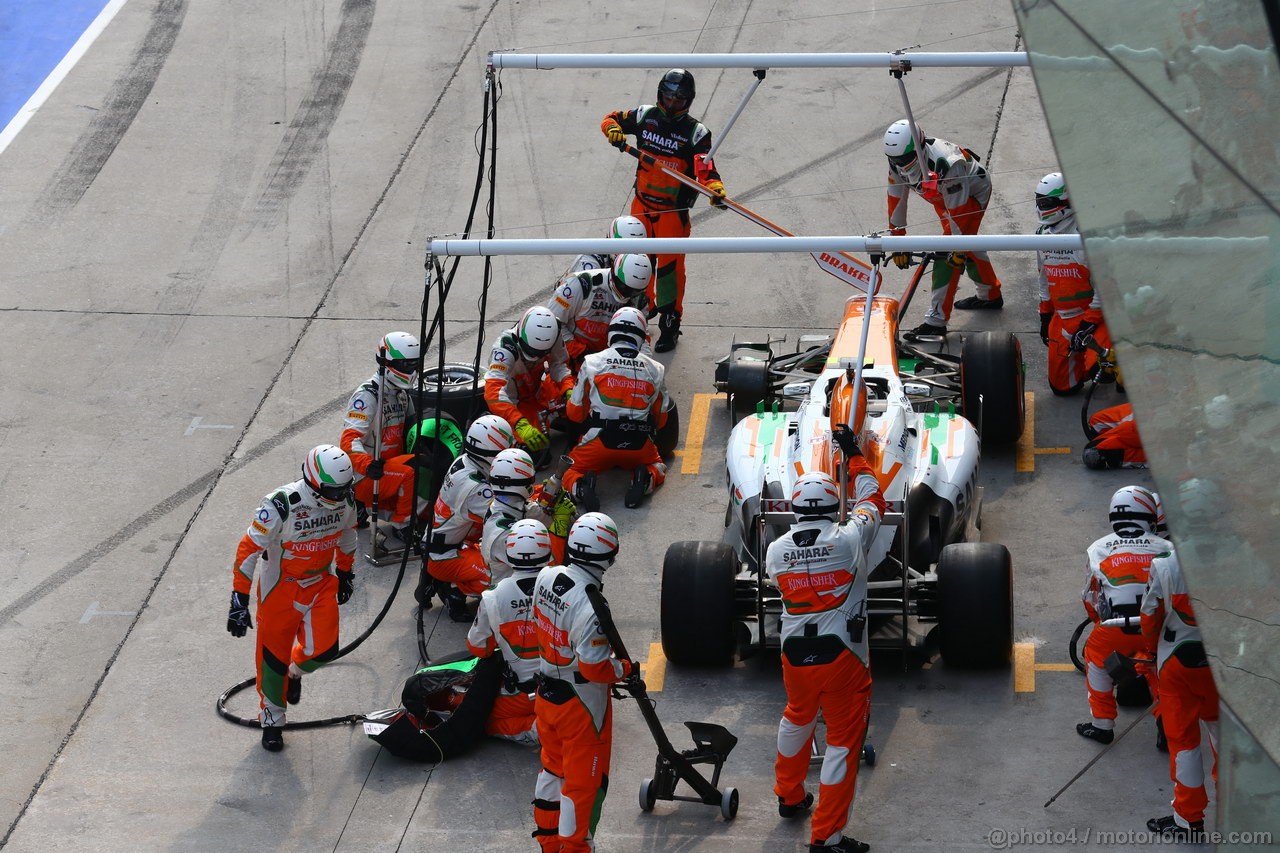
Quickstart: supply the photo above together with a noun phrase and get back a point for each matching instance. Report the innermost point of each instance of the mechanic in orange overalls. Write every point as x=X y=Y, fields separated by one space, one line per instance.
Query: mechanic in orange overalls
x=1117 y=580
x=621 y=398
x=679 y=142
x=576 y=667
x=302 y=531
x=1114 y=441
x=1187 y=695
x=528 y=370
x=820 y=568
x=504 y=622
x=584 y=303
x=1070 y=310
x=953 y=181
x=384 y=401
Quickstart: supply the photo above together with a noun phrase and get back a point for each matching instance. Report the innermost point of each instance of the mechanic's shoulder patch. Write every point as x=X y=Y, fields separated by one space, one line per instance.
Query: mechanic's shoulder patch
x=282 y=501
x=562 y=584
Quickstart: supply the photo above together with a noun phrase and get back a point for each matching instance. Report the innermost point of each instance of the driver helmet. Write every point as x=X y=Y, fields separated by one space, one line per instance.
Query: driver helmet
x=593 y=540
x=675 y=92
x=512 y=474
x=815 y=495
x=400 y=356
x=328 y=473
x=486 y=438
x=537 y=332
x=631 y=276
x=1053 y=203
x=528 y=545
x=1133 y=511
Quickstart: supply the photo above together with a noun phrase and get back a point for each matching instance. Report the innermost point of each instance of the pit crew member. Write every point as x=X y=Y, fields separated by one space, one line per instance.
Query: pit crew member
x=586 y=301
x=527 y=373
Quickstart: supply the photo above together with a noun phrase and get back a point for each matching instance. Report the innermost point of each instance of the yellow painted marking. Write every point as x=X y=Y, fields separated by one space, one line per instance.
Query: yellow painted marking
x=691 y=455
x=1024 y=668
x=654 y=670
x=1025 y=459
x=1055 y=667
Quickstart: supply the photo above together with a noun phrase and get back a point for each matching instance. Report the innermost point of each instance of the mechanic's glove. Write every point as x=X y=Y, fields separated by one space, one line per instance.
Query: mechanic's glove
x=958 y=259
x=631 y=675
x=238 y=620
x=1080 y=340
x=530 y=436
x=374 y=471
x=614 y=134
x=562 y=516
x=346 y=585
x=901 y=260
x=717 y=187
x=1144 y=666
x=568 y=392
x=846 y=441
x=1045 y=319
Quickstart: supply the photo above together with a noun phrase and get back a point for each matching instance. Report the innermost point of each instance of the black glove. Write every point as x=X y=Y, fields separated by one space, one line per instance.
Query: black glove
x=633 y=681
x=374 y=471
x=238 y=619
x=1080 y=340
x=1045 y=319
x=846 y=441
x=346 y=585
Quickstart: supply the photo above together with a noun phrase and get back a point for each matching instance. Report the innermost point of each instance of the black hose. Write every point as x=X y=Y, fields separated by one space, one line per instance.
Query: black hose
x=1075 y=641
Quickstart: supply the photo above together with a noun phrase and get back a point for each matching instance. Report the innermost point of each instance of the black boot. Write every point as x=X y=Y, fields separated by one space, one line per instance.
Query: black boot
x=293 y=693
x=1092 y=732
x=978 y=303
x=640 y=480
x=584 y=493
x=362 y=516
x=668 y=331
x=796 y=809
x=846 y=845
x=1162 y=743
x=1170 y=830
x=454 y=600
x=273 y=738
x=925 y=332
x=425 y=591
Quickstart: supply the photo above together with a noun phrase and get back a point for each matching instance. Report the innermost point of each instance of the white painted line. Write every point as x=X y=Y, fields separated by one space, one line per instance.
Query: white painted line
x=93 y=611
x=60 y=71
x=198 y=423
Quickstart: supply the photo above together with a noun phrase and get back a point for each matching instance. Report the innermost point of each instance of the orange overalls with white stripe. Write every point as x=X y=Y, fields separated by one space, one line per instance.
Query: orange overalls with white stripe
x=1066 y=289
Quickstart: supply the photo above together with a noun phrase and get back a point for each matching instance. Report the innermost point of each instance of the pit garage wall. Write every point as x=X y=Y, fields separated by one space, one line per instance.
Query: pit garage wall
x=1166 y=119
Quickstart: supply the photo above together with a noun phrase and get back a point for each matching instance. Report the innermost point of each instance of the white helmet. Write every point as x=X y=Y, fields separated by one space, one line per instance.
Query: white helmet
x=537 y=332
x=512 y=473
x=401 y=355
x=628 y=328
x=900 y=148
x=328 y=474
x=1053 y=203
x=815 y=494
x=593 y=539
x=631 y=275
x=1133 y=511
x=528 y=545
x=1162 y=523
x=627 y=226
x=487 y=437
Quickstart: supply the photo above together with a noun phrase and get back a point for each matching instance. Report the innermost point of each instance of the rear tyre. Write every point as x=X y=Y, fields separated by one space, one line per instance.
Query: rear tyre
x=748 y=385
x=459 y=390
x=975 y=605
x=697 y=603
x=991 y=368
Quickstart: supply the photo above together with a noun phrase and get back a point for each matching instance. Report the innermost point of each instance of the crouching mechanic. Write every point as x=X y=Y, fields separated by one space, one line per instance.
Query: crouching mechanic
x=504 y=622
x=301 y=533
x=1070 y=310
x=383 y=404
x=576 y=667
x=1117 y=580
x=1114 y=441
x=528 y=372
x=585 y=303
x=511 y=480
x=453 y=557
x=621 y=398
x=1187 y=695
x=820 y=569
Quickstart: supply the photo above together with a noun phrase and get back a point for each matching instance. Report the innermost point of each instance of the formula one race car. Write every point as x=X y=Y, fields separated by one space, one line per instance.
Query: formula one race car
x=926 y=415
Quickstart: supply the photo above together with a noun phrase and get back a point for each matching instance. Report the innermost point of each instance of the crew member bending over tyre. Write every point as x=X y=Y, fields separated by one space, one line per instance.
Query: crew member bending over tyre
x=528 y=372
x=304 y=539
x=820 y=569
x=575 y=714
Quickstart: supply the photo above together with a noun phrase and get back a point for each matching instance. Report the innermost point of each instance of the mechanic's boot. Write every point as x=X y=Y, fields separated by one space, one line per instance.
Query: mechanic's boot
x=640 y=480
x=455 y=600
x=668 y=331
x=362 y=516
x=425 y=591
x=797 y=809
x=584 y=493
x=1162 y=743
x=926 y=332
x=1092 y=732
x=978 y=303
x=273 y=738
x=293 y=693
x=844 y=845
x=1171 y=830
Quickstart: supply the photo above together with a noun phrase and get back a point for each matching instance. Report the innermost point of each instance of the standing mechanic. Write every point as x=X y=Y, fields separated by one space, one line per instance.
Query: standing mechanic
x=621 y=398
x=1117 y=580
x=504 y=622
x=384 y=403
x=585 y=302
x=680 y=142
x=622 y=226
x=453 y=557
x=1187 y=694
x=575 y=714
x=528 y=371
x=820 y=569
x=1070 y=310
x=952 y=179
x=300 y=533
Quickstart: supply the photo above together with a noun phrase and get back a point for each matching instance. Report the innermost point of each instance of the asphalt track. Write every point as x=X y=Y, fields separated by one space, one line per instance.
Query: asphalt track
x=204 y=231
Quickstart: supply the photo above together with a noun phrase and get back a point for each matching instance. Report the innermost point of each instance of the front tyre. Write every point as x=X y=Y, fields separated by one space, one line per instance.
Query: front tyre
x=697 y=603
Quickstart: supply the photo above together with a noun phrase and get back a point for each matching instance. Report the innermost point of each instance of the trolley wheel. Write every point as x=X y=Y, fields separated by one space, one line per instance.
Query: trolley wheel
x=648 y=796
x=868 y=755
x=729 y=803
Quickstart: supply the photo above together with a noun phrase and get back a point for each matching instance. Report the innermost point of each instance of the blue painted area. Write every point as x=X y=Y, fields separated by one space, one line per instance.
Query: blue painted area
x=34 y=37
